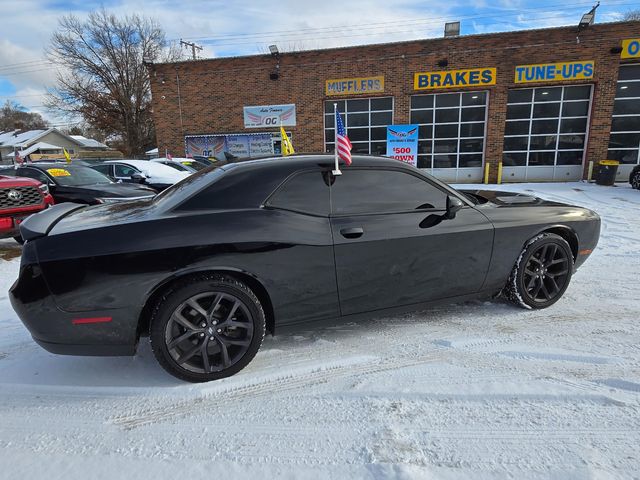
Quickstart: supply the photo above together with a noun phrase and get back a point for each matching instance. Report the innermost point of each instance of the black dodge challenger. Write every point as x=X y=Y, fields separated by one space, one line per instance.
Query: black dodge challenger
x=209 y=265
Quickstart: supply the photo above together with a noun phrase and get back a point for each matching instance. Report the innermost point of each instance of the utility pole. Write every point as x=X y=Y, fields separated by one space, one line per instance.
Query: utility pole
x=193 y=46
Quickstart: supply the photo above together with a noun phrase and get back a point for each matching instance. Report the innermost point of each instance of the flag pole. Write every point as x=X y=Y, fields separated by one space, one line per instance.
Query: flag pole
x=335 y=139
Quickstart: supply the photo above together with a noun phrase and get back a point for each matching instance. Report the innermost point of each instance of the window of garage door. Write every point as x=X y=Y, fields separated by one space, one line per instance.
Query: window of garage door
x=366 y=121
x=451 y=133
x=546 y=133
x=624 y=142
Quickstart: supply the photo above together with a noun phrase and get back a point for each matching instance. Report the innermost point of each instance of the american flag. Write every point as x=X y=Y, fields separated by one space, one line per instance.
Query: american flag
x=343 y=144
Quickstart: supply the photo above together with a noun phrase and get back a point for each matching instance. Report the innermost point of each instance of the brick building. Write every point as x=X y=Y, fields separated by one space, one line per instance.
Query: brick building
x=543 y=102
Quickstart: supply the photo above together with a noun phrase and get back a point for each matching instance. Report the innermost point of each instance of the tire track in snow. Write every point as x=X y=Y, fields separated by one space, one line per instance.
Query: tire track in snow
x=271 y=385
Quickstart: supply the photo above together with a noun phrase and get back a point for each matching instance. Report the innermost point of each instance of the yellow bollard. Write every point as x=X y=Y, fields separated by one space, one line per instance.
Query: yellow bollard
x=486 y=172
x=499 y=173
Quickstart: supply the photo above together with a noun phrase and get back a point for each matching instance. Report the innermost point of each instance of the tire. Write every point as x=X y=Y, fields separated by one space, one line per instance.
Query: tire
x=206 y=328
x=19 y=239
x=542 y=272
x=635 y=180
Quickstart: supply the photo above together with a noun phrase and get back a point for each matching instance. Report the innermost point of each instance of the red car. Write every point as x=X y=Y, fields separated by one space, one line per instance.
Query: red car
x=19 y=198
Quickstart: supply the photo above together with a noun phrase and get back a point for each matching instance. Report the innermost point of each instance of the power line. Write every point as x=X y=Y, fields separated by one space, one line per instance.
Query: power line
x=415 y=22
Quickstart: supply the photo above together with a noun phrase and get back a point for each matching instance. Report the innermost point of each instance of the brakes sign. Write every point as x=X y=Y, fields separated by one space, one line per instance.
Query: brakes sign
x=402 y=143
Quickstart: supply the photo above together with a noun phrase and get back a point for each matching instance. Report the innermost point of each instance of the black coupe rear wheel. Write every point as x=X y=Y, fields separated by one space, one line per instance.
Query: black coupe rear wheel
x=207 y=328
x=542 y=273
x=635 y=180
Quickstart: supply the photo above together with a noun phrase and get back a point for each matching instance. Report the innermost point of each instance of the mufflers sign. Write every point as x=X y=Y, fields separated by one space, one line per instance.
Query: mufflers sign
x=472 y=77
x=354 y=86
x=555 y=72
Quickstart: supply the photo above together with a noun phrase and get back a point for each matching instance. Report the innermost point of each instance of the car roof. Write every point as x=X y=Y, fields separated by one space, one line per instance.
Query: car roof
x=45 y=165
x=299 y=161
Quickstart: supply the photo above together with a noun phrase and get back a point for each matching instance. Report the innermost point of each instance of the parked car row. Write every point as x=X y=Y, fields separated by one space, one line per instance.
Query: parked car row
x=32 y=187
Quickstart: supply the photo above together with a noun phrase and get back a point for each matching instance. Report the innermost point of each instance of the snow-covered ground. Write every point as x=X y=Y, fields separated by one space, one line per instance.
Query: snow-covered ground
x=480 y=390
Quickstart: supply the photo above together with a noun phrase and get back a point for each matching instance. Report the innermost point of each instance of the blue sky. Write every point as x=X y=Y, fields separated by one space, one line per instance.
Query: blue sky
x=241 y=27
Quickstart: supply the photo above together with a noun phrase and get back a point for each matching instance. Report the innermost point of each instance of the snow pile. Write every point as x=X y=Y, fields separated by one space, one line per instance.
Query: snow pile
x=482 y=390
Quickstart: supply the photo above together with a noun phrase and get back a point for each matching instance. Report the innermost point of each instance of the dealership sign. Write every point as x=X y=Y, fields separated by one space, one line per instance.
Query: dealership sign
x=555 y=72
x=630 y=48
x=270 y=116
x=472 y=77
x=402 y=143
x=354 y=86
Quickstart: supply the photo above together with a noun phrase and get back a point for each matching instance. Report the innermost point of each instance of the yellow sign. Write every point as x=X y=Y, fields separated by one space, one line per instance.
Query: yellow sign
x=630 y=48
x=472 y=77
x=58 y=172
x=555 y=72
x=354 y=86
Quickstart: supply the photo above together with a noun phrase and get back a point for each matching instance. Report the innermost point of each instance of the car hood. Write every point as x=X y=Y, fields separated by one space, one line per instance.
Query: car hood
x=507 y=199
x=113 y=190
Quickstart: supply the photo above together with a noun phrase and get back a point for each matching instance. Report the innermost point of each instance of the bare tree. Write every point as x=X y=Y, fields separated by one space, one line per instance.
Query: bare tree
x=103 y=78
x=632 y=15
x=13 y=117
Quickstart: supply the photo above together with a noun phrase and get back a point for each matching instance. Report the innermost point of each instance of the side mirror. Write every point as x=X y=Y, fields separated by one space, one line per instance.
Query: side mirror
x=52 y=186
x=138 y=177
x=454 y=204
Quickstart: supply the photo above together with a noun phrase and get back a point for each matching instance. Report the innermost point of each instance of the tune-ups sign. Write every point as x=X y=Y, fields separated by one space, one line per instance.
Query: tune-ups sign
x=270 y=116
x=548 y=72
x=402 y=143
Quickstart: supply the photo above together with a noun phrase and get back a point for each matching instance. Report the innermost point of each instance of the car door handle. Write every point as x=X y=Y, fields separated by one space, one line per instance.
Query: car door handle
x=353 y=232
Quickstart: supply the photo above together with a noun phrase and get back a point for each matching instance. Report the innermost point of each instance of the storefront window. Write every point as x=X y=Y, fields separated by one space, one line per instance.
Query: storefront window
x=366 y=121
x=546 y=126
x=624 y=142
x=452 y=129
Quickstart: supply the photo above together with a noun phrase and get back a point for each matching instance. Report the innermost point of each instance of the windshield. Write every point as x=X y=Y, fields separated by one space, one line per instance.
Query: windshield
x=195 y=165
x=75 y=175
x=204 y=176
x=176 y=166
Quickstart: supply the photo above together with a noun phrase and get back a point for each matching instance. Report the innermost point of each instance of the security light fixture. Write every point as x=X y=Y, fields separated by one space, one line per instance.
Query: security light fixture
x=443 y=62
x=588 y=18
x=452 y=29
x=274 y=50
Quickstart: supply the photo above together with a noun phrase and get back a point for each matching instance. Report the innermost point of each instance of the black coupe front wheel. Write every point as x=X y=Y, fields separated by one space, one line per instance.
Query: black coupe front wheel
x=542 y=273
x=207 y=328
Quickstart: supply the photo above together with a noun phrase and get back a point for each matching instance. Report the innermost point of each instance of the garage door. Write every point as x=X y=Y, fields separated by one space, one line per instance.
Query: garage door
x=451 y=134
x=546 y=133
x=624 y=142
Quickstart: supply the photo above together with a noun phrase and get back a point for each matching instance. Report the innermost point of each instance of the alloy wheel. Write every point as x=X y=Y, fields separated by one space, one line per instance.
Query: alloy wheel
x=209 y=332
x=546 y=273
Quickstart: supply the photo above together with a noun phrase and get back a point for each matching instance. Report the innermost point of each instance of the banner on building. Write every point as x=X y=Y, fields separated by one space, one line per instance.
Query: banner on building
x=239 y=145
x=555 y=72
x=402 y=143
x=270 y=116
x=471 y=77
x=205 y=146
x=630 y=48
x=354 y=86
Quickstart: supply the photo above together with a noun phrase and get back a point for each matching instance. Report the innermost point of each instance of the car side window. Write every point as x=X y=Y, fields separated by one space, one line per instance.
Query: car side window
x=306 y=192
x=105 y=169
x=33 y=173
x=124 y=171
x=362 y=191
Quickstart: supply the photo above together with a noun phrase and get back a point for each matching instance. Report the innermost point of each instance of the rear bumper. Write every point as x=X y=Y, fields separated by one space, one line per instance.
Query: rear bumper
x=100 y=332
x=87 y=350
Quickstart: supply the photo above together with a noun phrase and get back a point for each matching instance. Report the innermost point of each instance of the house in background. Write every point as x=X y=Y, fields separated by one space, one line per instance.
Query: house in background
x=46 y=142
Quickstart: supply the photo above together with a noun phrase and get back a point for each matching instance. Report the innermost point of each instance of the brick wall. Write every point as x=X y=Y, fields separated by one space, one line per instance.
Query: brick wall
x=207 y=96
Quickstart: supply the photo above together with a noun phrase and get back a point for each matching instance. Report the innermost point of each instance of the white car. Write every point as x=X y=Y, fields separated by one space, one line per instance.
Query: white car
x=153 y=174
